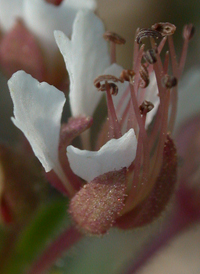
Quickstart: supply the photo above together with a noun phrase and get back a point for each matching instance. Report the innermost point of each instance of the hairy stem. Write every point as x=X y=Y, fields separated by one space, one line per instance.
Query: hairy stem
x=61 y=244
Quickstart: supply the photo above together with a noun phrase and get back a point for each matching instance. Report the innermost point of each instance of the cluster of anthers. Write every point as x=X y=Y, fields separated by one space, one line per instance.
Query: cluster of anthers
x=134 y=196
x=129 y=179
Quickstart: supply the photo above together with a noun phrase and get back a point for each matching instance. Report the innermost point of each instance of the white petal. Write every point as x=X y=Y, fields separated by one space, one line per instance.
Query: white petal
x=43 y=18
x=114 y=155
x=152 y=96
x=189 y=96
x=10 y=10
x=86 y=57
x=37 y=110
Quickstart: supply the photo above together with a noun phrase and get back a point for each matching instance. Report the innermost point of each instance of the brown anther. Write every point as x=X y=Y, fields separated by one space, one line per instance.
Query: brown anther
x=144 y=74
x=150 y=56
x=102 y=87
x=114 y=37
x=188 y=31
x=165 y=29
x=127 y=75
x=169 y=81
x=111 y=86
x=144 y=33
x=145 y=107
x=113 y=89
x=98 y=85
x=105 y=78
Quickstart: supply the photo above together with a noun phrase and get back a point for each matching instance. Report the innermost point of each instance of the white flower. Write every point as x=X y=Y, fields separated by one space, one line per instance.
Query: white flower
x=114 y=155
x=42 y=18
x=84 y=63
x=37 y=113
x=38 y=106
x=86 y=57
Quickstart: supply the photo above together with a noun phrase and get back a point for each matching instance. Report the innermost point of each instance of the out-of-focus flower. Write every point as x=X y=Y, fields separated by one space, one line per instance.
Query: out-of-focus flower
x=131 y=178
x=27 y=40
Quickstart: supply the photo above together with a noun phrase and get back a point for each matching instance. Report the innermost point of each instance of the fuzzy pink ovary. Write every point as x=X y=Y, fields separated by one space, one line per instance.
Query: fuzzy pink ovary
x=96 y=206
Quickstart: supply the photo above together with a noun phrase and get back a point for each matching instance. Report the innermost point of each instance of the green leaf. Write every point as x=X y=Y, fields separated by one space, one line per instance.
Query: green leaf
x=36 y=235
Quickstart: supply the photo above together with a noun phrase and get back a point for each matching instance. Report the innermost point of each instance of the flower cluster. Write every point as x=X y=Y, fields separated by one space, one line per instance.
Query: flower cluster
x=129 y=178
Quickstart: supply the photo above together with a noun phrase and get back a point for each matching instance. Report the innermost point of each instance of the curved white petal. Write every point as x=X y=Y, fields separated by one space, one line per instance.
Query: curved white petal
x=9 y=11
x=86 y=57
x=189 y=96
x=152 y=96
x=114 y=155
x=37 y=110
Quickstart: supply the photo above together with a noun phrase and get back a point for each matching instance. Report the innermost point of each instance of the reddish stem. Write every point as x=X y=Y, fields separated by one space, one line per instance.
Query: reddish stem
x=63 y=243
x=183 y=58
x=125 y=114
x=121 y=101
x=173 y=56
x=166 y=63
x=114 y=129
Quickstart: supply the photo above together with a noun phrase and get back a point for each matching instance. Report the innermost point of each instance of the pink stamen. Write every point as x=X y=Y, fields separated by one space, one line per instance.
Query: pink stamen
x=159 y=49
x=122 y=99
x=114 y=39
x=173 y=56
x=132 y=200
x=159 y=72
x=114 y=128
x=135 y=50
x=146 y=155
x=174 y=102
x=112 y=52
x=132 y=121
x=161 y=45
x=166 y=63
x=137 y=66
x=125 y=113
x=183 y=58
x=162 y=135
